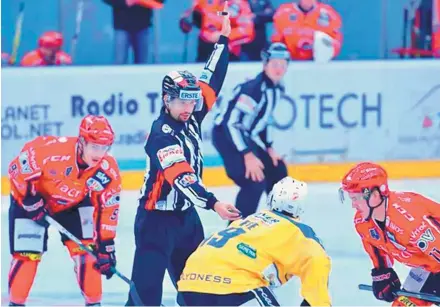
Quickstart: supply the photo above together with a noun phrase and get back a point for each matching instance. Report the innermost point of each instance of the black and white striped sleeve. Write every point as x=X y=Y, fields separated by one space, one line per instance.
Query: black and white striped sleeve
x=240 y=120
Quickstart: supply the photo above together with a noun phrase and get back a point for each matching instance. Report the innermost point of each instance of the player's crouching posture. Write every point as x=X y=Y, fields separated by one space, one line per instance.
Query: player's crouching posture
x=74 y=180
x=167 y=227
x=402 y=226
x=241 y=263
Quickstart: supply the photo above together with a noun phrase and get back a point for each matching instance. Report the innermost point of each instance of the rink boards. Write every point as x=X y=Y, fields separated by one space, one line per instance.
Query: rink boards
x=331 y=115
x=216 y=176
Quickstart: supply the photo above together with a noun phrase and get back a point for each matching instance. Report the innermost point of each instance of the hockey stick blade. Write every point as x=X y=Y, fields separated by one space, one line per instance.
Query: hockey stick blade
x=135 y=296
x=421 y=296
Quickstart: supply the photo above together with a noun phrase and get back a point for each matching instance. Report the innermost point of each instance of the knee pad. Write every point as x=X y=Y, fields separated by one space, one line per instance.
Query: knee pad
x=89 y=279
x=21 y=275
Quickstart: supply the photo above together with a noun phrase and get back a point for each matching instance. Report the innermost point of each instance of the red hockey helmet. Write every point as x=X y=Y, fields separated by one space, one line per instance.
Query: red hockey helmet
x=51 y=39
x=96 y=129
x=366 y=176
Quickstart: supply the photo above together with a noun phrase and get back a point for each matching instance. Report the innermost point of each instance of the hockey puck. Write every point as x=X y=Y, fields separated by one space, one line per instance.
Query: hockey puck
x=222 y=13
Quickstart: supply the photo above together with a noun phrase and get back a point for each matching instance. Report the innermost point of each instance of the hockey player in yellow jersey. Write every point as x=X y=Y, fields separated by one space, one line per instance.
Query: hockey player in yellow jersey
x=246 y=260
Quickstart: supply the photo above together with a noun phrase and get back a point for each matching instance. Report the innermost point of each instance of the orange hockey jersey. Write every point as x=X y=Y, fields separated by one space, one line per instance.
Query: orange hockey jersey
x=411 y=234
x=34 y=58
x=48 y=165
x=242 y=25
x=295 y=28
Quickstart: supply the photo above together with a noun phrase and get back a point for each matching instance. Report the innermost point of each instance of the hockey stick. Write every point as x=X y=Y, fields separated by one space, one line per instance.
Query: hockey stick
x=405 y=31
x=421 y=296
x=185 y=49
x=17 y=35
x=135 y=296
x=78 y=21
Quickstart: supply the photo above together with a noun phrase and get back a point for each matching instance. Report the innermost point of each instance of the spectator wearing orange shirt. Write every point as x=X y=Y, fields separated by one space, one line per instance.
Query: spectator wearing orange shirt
x=204 y=16
x=309 y=29
x=48 y=52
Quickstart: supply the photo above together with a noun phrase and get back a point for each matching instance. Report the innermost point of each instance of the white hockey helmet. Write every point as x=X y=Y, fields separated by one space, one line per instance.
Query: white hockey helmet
x=288 y=195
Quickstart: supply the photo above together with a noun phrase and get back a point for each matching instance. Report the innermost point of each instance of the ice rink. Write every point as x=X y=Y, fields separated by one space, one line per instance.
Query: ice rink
x=55 y=283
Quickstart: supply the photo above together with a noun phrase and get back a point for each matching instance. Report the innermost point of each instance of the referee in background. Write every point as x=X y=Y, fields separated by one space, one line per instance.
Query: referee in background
x=241 y=131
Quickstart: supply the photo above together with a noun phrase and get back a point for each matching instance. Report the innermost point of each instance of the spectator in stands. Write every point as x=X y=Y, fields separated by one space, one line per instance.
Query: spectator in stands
x=203 y=15
x=48 y=52
x=5 y=59
x=262 y=14
x=310 y=30
x=131 y=23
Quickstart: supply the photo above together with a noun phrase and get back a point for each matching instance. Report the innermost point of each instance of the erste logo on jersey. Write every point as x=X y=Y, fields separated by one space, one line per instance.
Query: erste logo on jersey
x=169 y=155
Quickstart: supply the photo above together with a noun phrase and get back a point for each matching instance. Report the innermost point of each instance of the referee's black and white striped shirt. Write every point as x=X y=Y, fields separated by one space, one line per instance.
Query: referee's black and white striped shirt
x=247 y=116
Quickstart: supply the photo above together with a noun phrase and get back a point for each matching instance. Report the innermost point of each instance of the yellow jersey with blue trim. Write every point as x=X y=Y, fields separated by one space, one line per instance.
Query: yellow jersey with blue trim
x=264 y=250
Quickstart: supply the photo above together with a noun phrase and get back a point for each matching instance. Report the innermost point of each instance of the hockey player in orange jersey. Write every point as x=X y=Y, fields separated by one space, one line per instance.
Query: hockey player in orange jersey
x=401 y=226
x=297 y=25
x=205 y=15
x=48 y=52
x=76 y=181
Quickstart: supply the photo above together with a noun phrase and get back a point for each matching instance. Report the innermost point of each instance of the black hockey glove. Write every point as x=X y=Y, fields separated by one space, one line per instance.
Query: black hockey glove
x=105 y=258
x=385 y=284
x=36 y=209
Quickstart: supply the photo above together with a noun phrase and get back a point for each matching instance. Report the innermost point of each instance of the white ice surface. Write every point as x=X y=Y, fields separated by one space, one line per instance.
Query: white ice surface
x=55 y=283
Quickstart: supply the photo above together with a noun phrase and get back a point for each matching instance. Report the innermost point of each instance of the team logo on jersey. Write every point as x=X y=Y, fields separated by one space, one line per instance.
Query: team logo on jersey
x=25 y=166
x=68 y=171
x=166 y=129
x=374 y=234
